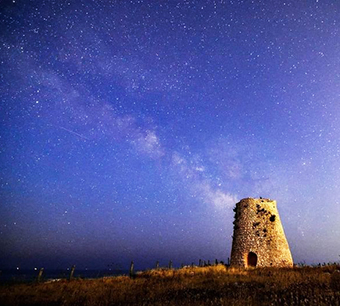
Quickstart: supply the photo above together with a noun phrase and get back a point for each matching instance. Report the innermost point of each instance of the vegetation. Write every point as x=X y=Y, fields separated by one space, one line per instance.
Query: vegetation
x=215 y=285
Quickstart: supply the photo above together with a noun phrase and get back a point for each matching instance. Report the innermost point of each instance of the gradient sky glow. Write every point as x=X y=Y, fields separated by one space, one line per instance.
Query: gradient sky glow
x=129 y=129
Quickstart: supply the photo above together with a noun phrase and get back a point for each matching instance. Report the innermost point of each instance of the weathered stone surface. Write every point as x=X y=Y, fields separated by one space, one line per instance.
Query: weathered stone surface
x=259 y=239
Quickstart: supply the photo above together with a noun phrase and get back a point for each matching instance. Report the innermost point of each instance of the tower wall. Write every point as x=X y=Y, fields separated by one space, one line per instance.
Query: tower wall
x=259 y=239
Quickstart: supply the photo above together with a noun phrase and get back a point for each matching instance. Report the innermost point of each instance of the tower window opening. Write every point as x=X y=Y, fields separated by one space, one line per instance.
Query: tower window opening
x=252 y=259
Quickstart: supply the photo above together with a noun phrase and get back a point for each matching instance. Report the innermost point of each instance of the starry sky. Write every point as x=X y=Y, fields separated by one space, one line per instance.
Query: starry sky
x=129 y=129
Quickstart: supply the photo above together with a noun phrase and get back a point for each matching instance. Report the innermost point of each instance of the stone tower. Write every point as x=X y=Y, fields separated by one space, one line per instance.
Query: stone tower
x=259 y=239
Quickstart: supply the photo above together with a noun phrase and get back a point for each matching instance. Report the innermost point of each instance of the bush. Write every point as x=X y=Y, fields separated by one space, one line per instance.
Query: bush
x=335 y=280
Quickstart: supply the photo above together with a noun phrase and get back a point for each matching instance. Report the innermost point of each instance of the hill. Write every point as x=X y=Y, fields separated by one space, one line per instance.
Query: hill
x=215 y=285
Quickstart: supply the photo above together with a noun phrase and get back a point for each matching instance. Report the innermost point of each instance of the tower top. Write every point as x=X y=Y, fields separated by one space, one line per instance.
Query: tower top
x=260 y=199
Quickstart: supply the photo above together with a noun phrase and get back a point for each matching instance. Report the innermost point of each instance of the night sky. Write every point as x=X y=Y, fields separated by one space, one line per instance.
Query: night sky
x=129 y=129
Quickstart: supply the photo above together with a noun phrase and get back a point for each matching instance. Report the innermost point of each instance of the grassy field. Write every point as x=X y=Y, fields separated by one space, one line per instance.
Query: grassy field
x=214 y=285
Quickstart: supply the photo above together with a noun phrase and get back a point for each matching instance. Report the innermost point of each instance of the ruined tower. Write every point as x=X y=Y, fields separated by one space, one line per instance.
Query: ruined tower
x=259 y=239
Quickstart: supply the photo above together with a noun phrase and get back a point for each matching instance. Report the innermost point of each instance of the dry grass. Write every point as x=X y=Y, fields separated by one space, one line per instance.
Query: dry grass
x=188 y=286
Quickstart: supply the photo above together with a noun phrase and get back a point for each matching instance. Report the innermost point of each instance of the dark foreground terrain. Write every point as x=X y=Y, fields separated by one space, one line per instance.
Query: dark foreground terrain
x=188 y=286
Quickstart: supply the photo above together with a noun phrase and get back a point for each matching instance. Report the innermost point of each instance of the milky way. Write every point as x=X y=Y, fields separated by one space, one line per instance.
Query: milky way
x=129 y=129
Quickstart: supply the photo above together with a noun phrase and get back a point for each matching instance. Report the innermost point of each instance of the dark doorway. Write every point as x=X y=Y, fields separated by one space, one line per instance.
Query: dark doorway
x=252 y=259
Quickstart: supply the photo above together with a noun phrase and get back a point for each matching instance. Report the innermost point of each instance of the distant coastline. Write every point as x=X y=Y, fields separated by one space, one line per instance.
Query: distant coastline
x=30 y=275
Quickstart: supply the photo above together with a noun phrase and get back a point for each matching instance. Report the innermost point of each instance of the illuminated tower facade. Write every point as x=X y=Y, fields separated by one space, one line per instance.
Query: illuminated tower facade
x=259 y=239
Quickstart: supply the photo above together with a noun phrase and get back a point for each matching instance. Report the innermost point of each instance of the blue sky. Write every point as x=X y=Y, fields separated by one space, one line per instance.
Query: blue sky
x=129 y=129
